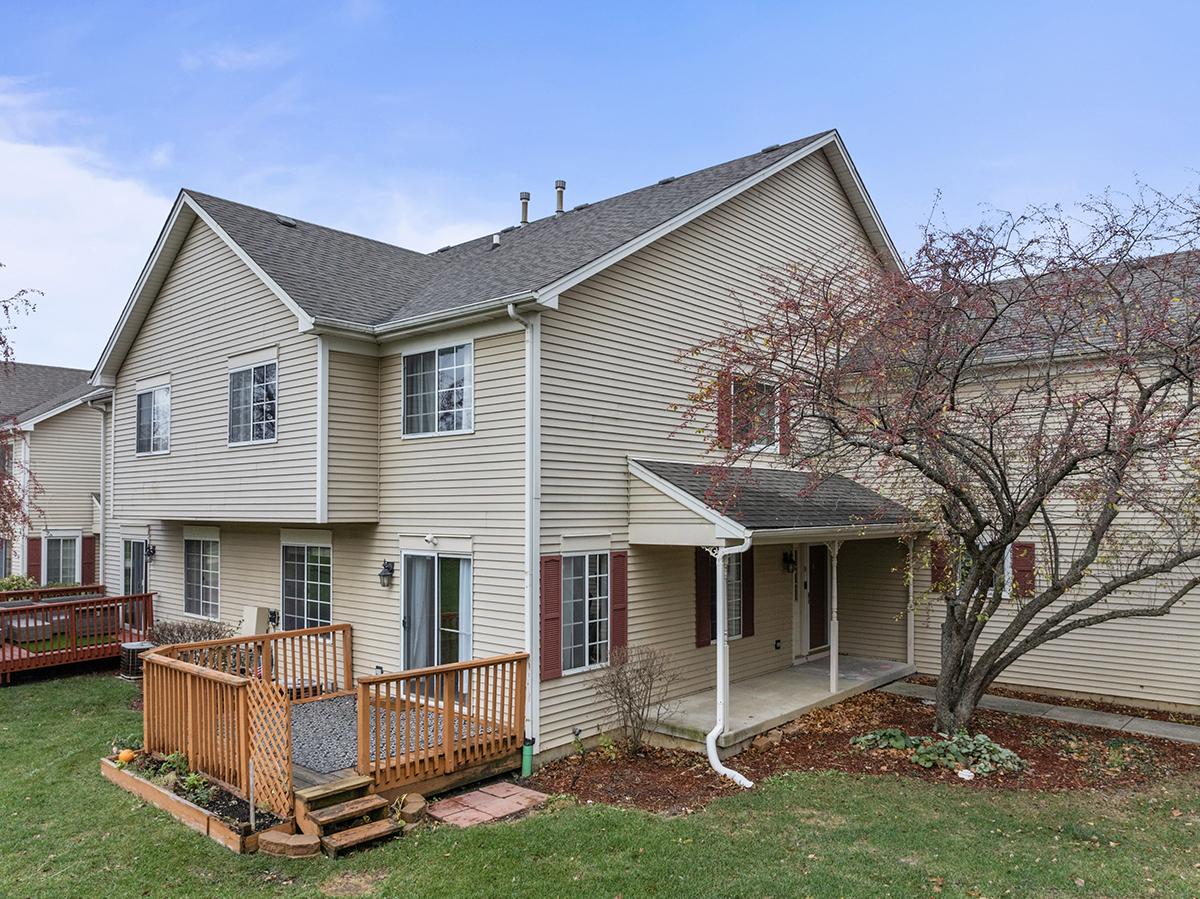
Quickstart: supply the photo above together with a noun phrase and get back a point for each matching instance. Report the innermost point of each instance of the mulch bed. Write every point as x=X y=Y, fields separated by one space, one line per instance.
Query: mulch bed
x=233 y=809
x=1059 y=757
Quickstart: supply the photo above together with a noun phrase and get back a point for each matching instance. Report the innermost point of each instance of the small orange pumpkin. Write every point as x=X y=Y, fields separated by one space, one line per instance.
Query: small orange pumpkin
x=127 y=756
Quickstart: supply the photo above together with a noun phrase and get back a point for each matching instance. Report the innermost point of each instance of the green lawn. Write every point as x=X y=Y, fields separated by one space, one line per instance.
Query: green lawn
x=71 y=833
x=63 y=641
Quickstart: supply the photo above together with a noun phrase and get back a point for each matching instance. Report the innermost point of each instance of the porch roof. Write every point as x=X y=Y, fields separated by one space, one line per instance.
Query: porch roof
x=714 y=504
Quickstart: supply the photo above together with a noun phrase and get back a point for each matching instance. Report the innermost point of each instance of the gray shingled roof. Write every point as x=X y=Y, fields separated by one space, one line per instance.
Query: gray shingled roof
x=766 y=499
x=334 y=275
x=24 y=387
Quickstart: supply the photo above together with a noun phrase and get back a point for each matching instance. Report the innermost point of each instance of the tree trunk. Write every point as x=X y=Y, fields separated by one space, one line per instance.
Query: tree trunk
x=959 y=686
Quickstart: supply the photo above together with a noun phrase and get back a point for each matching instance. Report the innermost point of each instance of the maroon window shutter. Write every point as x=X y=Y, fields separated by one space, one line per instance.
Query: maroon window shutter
x=704 y=594
x=551 y=617
x=725 y=409
x=33 y=558
x=748 y=593
x=618 y=586
x=87 y=564
x=1023 y=573
x=939 y=566
x=785 y=421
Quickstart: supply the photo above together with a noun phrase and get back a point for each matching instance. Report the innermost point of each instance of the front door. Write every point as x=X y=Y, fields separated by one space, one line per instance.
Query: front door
x=818 y=596
x=436 y=622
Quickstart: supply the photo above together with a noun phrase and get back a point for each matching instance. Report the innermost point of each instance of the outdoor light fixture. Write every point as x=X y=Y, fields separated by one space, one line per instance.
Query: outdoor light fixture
x=151 y=550
x=385 y=574
x=272 y=618
x=789 y=561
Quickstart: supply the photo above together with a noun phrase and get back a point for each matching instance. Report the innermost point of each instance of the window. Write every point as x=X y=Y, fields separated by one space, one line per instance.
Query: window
x=202 y=578
x=949 y=565
x=5 y=558
x=739 y=596
x=754 y=417
x=61 y=555
x=133 y=578
x=307 y=586
x=154 y=421
x=437 y=610
x=252 y=404
x=584 y=610
x=438 y=391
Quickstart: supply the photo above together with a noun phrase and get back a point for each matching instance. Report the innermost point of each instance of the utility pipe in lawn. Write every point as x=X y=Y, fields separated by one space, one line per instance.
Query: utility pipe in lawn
x=723 y=664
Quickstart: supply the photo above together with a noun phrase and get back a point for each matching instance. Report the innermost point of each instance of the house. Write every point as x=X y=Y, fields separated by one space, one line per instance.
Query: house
x=299 y=414
x=56 y=452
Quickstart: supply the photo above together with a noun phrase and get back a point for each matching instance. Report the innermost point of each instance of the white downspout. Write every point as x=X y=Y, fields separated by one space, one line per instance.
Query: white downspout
x=834 y=546
x=723 y=665
x=533 y=502
x=909 y=624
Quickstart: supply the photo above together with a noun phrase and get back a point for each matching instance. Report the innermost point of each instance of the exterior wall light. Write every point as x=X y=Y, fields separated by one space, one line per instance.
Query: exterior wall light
x=385 y=574
x=789 y=561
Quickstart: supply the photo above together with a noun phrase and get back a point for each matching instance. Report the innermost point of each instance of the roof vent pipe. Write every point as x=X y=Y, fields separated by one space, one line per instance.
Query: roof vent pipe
x=560 y=186
x=495 y=241
x=524 y=207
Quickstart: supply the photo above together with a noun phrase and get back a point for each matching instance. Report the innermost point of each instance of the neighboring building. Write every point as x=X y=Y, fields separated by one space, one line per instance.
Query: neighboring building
x=294 y=406
x=56 y=453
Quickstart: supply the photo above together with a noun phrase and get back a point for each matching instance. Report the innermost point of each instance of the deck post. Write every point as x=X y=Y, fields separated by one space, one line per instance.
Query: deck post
x=364 y=731
x=347 y=672
x=243 y=740
x=834 y=546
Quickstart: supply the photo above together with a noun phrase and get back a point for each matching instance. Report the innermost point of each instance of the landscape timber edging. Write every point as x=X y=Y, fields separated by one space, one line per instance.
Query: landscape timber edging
x=195 y=817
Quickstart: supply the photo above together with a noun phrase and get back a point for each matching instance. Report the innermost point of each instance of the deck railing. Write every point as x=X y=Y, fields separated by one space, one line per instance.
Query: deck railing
x=418 y=725
x=309 y=664
x=43 y=594
x=59 y=632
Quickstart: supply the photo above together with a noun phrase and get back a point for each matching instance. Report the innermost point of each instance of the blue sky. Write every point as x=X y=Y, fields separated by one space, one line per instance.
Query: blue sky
x=419 y=124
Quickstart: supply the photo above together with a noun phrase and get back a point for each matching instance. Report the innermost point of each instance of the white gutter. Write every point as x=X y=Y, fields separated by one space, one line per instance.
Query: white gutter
x=533 y=509
x=723 y=664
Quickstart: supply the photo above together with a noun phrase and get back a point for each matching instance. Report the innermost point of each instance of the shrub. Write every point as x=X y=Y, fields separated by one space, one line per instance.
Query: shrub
x=979 y=753
x=192 y=631
x=17 y=582
x=635 y=684
x=888 y=738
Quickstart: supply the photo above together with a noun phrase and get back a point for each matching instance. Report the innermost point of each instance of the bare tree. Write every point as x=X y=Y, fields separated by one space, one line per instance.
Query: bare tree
x=1027 y=388
x=15 y=485
x=636 y=683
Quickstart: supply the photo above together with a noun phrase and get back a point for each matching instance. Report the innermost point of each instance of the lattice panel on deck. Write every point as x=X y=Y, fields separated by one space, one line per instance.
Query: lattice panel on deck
x=271 y=745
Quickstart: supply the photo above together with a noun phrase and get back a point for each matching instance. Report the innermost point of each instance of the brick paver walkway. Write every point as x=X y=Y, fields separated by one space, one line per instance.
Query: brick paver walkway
x=490 y=803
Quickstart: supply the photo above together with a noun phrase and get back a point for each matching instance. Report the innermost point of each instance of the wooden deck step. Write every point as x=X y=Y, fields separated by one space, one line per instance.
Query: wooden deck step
x=315 y=795
x=364 y=833
x=326 y=818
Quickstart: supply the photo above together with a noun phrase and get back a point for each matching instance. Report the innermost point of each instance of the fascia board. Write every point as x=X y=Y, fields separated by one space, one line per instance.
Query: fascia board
x=525 y=301
x=849 y=533
x=170 y=239
x=645 y=239
x=857 y=192
x=726 y=527
x=303 y=317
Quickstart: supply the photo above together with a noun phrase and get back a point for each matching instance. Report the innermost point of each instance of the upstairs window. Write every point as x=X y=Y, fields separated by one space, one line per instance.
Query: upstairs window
x=252 y=404
x=154 y=421
x=439 y=391
x=747 y=413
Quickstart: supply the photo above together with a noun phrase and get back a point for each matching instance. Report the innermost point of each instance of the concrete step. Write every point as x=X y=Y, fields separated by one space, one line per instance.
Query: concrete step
x=326 y=819
x=356 y=836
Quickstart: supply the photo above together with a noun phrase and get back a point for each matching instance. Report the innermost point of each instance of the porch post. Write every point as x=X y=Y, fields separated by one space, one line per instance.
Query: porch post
x=909 y=619
x=834 y=546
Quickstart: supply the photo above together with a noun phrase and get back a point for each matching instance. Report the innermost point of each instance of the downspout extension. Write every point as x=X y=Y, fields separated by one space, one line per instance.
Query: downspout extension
x=723 y=666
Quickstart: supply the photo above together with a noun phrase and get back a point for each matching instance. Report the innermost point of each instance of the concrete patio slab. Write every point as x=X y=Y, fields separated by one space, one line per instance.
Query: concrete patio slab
x=761 y=703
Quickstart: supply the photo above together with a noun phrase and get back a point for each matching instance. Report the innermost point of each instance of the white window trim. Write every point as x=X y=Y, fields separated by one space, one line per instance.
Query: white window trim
x=248 y=365
x=776 y=422
x=312 y=541
x=57 y=534
x=212 y=535
x=145 y=562
x=433 y=348
x=151 y=388
x=469 y=617
x=594 y=666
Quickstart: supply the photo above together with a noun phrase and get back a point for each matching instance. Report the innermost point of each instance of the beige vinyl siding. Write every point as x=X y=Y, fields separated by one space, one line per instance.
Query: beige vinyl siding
x=873 y=599
x=64 y=456
x=612 y=370
x=470 y=484
x=353 y=437
x=1149 y=661
x=210 y=308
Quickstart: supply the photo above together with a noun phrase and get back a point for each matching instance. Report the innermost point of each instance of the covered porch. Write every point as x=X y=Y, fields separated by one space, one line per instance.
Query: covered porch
x=758 y=704
x=805 y=601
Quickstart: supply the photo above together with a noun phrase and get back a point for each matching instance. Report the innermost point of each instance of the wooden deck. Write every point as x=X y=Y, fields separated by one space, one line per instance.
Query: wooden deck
x=43 y=629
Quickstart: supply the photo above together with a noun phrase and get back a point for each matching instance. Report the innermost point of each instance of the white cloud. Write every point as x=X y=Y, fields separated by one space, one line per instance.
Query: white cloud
x=160 y=156
x=229 y=58
x=78 y=234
